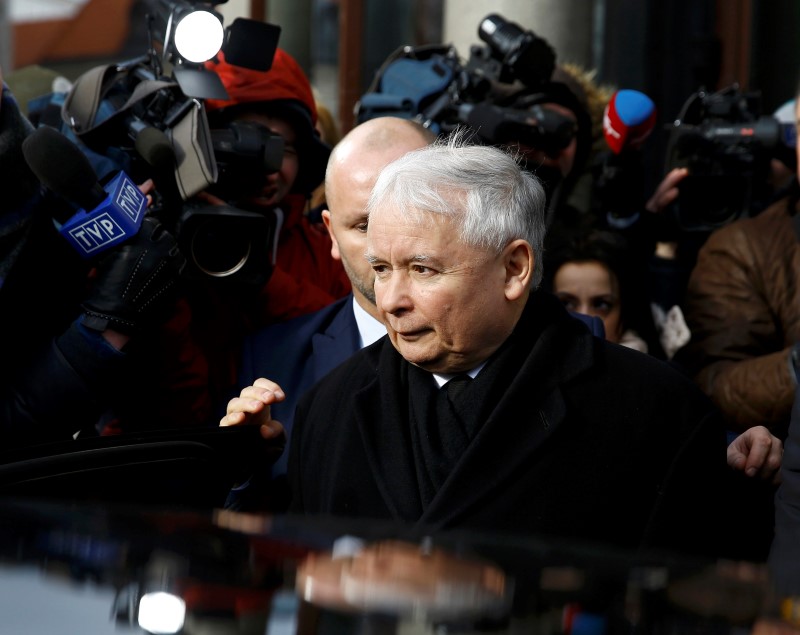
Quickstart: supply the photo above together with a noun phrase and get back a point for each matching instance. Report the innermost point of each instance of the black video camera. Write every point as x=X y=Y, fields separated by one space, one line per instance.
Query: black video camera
x=155 y=125
x=432 y=85
x=727 y=146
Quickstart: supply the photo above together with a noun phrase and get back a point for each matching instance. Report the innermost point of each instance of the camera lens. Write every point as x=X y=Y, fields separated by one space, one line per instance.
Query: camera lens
x=219 y=248
x=530 y=58
x=504 y=37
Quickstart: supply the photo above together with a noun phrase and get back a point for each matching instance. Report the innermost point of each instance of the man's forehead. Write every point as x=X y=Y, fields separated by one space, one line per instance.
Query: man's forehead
x=398 y=215
x=349 y=215
x=413 y=242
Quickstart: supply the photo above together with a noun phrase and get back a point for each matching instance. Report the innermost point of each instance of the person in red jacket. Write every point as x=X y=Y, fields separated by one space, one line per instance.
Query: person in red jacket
x=195 y=373
x=304 y=277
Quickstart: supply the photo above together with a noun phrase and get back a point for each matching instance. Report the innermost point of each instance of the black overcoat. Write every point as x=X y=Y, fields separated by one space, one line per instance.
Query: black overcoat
x=588 y=440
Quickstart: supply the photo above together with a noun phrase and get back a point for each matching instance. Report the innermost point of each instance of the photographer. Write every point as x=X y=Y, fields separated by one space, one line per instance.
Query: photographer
x=742 y=306
x=69 y=330
x=743 y=309
x=299 y=274
x=304 y=277
x=555 y=138
x=286 y=271
x=721 y=165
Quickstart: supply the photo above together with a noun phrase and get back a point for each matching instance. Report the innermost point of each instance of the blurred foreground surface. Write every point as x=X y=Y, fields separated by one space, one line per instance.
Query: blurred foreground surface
x=90 y=568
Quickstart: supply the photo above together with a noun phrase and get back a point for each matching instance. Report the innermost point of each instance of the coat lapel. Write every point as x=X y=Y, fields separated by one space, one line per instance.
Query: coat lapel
x=531 y=410
x=381 y=417
x=337 y=343
x=507 y=440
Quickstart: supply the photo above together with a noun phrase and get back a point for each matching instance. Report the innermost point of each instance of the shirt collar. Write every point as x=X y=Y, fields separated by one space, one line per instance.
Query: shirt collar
x=369 y=329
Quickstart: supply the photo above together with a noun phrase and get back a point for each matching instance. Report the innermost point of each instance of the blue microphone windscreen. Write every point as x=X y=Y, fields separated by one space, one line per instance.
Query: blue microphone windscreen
x=633 y=107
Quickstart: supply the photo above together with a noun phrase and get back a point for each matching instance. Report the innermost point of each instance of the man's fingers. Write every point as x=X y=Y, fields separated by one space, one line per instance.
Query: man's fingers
x=267 y=384
x=736 y=459
x=232 y=419
x=245 y=404
x=757 y=456
x=253 y=400
x=271 y=429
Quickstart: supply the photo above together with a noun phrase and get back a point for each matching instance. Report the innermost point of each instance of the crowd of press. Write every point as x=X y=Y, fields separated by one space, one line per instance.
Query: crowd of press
x=619 y=342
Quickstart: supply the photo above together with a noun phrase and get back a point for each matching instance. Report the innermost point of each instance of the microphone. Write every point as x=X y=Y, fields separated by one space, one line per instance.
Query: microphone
x=155 y=148
x=107 y=216
x=628 y=120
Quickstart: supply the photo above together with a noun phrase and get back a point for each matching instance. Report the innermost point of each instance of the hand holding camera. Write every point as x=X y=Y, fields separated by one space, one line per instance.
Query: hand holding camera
x=136 y=283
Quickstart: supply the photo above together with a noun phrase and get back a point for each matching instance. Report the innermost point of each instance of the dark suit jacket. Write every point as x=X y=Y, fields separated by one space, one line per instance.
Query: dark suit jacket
x=298 y=353
x=589 y=440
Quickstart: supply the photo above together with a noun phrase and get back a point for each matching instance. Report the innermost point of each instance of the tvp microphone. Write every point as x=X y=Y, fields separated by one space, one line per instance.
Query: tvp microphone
x=107 y=216
x=628 y=120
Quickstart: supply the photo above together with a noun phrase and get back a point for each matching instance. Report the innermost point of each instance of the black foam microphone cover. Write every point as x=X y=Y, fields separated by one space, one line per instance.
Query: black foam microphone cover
x=154 y=147
x=62 y=167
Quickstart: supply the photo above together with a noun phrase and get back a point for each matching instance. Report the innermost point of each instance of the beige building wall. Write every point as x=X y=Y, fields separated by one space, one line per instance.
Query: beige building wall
x=566 y=24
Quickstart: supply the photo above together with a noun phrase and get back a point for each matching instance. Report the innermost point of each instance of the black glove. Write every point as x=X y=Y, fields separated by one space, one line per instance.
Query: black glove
x=137 y=283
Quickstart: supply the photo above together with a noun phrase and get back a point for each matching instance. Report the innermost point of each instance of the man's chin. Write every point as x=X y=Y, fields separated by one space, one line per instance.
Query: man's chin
x=420 y=357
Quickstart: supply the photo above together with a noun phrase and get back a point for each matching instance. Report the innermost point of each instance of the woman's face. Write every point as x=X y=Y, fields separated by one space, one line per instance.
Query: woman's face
x=590 y=288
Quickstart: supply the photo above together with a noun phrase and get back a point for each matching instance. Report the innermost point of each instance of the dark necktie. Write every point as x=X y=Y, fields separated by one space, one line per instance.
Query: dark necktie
x=455 y=387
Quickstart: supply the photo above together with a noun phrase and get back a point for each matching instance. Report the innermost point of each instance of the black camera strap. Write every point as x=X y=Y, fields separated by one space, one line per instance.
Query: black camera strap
x=189 y=136
x=82 y=103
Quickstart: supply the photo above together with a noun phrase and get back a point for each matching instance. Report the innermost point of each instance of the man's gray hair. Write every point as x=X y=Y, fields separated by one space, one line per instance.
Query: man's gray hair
x=482 y=187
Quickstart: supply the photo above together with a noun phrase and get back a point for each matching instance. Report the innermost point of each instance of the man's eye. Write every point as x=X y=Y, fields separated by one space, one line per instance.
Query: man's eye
x=361 y=228
x=421 y=269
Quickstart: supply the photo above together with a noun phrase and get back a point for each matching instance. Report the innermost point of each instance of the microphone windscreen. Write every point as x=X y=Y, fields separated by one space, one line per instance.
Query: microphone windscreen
x=61 y=167
x=629 y=118
x=154 y=147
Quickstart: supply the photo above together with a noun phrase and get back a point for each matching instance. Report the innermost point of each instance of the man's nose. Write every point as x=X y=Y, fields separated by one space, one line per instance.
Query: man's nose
x=392 y=292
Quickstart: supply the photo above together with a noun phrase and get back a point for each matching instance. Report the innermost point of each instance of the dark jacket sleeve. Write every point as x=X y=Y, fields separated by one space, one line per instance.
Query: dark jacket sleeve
x=61 y=390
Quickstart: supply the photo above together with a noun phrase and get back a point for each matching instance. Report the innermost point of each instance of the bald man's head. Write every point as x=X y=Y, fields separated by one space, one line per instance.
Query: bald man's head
x=382 y=140
x=353 y=168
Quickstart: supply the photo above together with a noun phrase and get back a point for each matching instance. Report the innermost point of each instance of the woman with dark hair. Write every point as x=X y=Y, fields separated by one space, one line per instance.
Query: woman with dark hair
x=595 y=273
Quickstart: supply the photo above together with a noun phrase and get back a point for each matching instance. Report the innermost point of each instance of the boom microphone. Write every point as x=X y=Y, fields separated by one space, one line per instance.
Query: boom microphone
x=107 y=216
x=628 y=120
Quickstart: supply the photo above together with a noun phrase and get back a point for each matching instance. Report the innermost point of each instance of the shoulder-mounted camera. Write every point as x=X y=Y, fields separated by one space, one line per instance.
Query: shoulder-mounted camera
x=432 y=85
x=148 y=114
x=727 y=145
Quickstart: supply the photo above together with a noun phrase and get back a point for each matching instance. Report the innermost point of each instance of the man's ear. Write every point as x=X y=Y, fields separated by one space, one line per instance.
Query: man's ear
x=519 y=260
x=326 y=218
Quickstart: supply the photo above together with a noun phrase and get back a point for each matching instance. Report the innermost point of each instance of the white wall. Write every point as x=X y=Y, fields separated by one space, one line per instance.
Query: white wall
x=233 y=9
x=567 y=25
